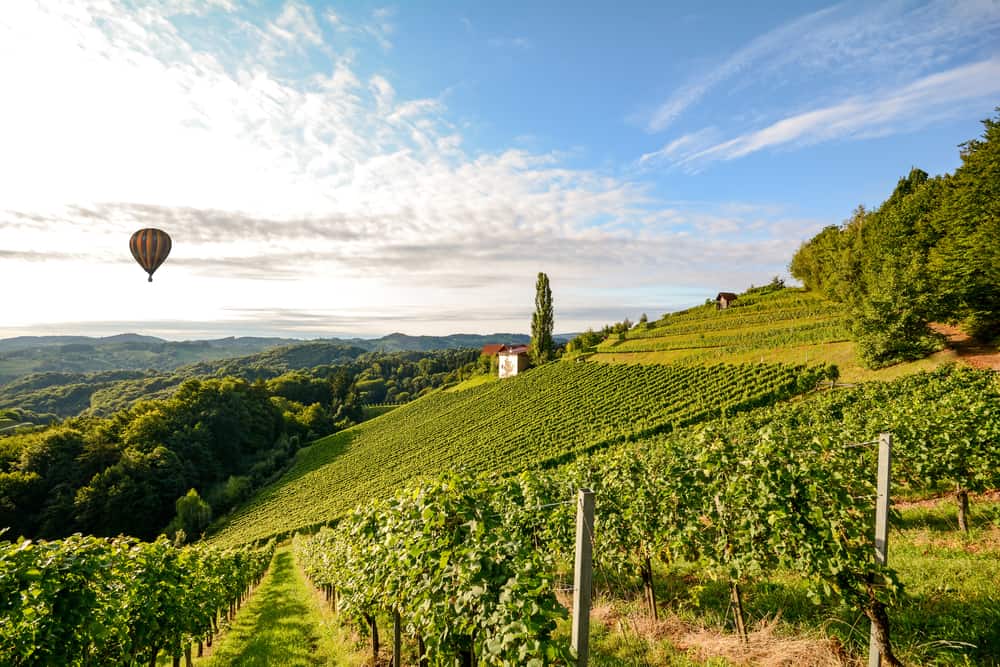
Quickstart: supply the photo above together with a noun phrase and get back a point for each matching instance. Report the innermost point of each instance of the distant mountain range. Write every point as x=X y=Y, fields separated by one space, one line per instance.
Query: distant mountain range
x=25 y=355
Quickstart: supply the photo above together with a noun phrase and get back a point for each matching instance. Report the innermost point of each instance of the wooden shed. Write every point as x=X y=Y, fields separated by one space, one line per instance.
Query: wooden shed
x=724 y=299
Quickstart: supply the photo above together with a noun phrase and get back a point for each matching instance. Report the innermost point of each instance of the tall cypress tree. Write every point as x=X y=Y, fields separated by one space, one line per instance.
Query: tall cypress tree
x=541 y=322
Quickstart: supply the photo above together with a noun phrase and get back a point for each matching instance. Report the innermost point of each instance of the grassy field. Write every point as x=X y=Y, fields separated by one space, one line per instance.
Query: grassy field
x=372 y=411
x=282 y=624
x=474 y=381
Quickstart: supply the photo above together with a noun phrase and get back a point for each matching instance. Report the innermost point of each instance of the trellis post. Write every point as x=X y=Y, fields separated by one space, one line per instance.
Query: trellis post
x=397 y=640
x=583 y=576
x=881 y=526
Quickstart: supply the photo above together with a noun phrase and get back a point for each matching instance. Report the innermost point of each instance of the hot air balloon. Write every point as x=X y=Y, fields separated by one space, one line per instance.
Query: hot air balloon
x=150 y=247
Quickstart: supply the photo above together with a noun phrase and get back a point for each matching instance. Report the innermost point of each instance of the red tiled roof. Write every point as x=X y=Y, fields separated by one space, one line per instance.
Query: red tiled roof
x=492 y=349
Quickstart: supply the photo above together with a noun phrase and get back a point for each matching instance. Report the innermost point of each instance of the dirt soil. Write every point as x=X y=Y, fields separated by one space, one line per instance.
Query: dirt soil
x=972 y=352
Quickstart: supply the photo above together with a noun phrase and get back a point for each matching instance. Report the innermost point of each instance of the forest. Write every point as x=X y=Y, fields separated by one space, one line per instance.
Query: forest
x=929 y=253
x=207 y=444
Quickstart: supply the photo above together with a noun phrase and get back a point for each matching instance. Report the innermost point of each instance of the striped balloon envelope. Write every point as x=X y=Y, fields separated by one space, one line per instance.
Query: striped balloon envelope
x=150 y=247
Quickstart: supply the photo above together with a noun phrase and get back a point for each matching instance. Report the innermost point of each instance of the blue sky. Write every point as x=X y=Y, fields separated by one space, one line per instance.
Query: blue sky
x=360 y=168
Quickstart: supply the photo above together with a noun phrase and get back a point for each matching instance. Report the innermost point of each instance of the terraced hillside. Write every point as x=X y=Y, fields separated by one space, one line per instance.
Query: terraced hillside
x=764 y=326
x=757 y=321
x=549 y=413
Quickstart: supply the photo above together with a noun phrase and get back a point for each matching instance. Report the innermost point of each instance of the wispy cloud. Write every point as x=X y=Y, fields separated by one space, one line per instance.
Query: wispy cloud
x=297 y=22
x=381 y=26
x=378 y=25
x=855 y=46
x=516 y=43
x=906 y=108
x=692 y=92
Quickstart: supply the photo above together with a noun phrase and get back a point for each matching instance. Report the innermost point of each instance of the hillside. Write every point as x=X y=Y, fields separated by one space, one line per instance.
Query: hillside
x=550 y=413
x=25 y=355
x=66 y=394
x=764 y=325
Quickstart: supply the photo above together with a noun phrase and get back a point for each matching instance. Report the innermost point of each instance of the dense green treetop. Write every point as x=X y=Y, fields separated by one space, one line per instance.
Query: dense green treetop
x=930 y=252
x=220 y=437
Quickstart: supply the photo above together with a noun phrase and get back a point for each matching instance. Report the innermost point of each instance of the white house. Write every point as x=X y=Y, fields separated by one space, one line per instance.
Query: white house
x=513 y=359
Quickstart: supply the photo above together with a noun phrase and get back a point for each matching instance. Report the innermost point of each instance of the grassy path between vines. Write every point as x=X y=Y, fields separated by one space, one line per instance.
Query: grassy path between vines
x=282 y=624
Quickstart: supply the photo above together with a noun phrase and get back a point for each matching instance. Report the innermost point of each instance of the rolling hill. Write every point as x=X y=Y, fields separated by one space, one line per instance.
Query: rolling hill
x=685 y=367
x=148 y=366
x=765 y=325
x=541 y=417
x=25 y=355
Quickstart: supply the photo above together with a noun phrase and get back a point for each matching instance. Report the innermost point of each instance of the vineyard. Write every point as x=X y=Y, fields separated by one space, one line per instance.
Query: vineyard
x=798 y=332
x=96 y=601
x=468 y=567
x=550 y=414
x=781 y=325
x=776 y=308
x=788 y=489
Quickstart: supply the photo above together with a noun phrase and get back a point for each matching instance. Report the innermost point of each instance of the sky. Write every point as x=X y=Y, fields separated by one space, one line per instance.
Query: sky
x=354 y=168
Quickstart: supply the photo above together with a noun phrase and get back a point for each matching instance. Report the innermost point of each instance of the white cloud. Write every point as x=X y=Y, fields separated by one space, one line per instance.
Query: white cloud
x=378 y=26
x=692 y=92
x=381 y=27
x=297 y=22
x=333 y=18
x=927 y=100
x=854 y=46
x=322 y=193
x=686 y=144
x=516 y=43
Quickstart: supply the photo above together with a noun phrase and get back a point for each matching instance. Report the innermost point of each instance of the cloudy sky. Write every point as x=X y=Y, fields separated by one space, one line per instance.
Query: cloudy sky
x=359 y=168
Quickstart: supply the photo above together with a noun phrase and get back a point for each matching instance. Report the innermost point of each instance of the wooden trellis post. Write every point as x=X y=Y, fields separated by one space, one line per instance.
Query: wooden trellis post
x=881 y=526
x=583 y=576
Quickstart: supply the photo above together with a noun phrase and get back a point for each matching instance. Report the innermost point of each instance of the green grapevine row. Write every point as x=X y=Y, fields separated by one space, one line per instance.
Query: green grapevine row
x=947 y=422
x=96 y=601
x=751 y=306
x=439 y=556
x=740 y=318
x=794 y=332
x=549 y=414
x=784 y=487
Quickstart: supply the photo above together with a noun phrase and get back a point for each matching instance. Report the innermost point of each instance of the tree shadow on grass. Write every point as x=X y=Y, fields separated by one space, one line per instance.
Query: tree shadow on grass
x=944 y=517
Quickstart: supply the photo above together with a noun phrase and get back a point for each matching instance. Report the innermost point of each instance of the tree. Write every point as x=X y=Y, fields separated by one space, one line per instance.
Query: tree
x=541 y=322
x=193 y=513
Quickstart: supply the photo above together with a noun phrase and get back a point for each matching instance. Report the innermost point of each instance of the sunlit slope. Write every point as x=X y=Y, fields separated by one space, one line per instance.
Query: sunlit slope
x=550 y=412
x=784 y=326
x=777 y=319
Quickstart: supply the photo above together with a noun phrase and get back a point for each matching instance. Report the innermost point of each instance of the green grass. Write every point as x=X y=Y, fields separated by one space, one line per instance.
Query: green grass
x=372 y=411
x=551 y=412
x=474 y=381
x=282 y=624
